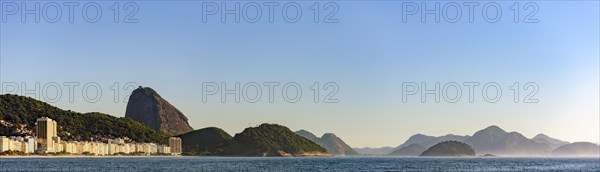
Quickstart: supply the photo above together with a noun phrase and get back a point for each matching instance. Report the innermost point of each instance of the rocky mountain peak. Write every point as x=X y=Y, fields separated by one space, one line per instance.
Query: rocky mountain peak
x=147 y=106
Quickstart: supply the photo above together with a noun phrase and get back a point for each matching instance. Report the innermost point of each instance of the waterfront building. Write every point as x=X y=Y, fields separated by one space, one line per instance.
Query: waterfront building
x=45 y=129
x=4 y=144
x=164 y=149
x=175 y=145
x=31 y=144
x=47 y=141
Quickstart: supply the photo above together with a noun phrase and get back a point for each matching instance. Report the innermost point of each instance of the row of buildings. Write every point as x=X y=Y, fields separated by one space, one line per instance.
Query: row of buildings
x=47 y=141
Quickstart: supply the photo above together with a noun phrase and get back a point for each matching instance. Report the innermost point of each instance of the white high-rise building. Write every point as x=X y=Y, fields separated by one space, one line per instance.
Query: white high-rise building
x=31 y=144
x=164 y=149
x=4 y=143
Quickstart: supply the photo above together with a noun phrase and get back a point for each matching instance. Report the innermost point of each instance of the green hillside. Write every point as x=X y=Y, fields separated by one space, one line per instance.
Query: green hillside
x=206 y=141
x=19 y=114
x=450 y=148
x=271 y=140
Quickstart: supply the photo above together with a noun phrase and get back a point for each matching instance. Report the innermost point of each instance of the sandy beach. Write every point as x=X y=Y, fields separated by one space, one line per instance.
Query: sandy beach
x=83 y=156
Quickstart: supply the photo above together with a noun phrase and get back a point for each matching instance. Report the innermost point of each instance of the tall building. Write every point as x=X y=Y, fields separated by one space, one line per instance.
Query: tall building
x=45 y=129
x=175 y=145
x=4 y=143
x=164 y=149
x=31 y=144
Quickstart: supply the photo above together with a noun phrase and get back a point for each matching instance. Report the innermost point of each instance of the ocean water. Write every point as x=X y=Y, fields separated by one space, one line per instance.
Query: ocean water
x=298 y=164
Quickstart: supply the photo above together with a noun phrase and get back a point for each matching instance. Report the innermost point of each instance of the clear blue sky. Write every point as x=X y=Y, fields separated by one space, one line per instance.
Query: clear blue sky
x=369 y=54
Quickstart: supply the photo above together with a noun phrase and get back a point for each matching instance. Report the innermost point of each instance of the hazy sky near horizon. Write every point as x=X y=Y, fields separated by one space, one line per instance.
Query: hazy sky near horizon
x=369 y=54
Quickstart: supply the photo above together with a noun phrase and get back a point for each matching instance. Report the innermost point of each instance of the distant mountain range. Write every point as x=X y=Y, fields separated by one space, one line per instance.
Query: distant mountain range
x=577 y=149
x=496 y=141
x=414 y=149
x=333 y=144
x=551 y=142
x=428 y=141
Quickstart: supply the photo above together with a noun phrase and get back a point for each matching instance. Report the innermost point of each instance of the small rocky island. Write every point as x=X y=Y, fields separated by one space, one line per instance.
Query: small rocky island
x=450 y=148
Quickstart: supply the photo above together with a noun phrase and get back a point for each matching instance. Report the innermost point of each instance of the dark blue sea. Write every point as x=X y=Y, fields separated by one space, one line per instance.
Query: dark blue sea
x=298 y=164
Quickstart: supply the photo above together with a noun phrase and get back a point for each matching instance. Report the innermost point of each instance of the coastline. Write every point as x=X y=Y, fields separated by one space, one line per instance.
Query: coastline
x=83 y=156
x=299 y=156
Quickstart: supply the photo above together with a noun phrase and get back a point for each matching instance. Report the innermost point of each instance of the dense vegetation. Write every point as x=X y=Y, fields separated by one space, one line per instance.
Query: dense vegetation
x=149 y=91
x=270 y=140
x=19 y=110
x=206 y=141
x=450 y=148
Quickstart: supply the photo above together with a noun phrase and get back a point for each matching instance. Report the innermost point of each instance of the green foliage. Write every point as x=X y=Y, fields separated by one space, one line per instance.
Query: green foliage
x=264 y=140
x=450 y=148
x=72 y=125
x=269 y=140
x=57 y=153
x=137 y=153
x=149 y=91
x=206 y=141
x=12 y=152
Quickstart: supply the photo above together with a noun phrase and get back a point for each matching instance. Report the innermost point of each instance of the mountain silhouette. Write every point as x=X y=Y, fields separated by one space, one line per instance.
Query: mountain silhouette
x=577 y=149
x=146 y=106
x=551 y=142
x=494 y=140
x=428 y=141
x=449 y=148
x=414 y=149
x=329 y=141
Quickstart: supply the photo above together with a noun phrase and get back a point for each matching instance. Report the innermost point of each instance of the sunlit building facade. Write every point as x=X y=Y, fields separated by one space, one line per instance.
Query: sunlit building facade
x=45 y=130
